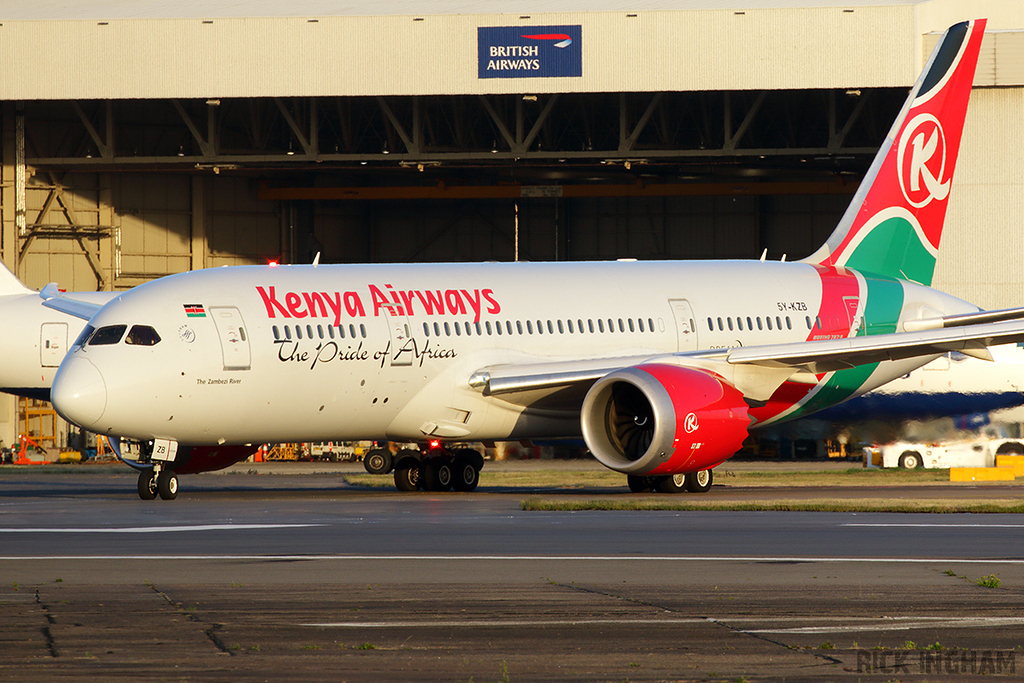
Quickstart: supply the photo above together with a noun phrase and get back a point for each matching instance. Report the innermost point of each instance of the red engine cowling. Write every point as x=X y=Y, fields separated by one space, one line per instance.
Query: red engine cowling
x=663 y=419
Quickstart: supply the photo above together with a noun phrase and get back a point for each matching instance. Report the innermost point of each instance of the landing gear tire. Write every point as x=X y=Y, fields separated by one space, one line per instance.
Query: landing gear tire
x=699 y=482
x=377 y=461
x=466 y=476
x=910 y=460
x=675 y=483
x=437 y=475
x=147 y=485
x=407 y=475
x=638 y=484
x=167 y=485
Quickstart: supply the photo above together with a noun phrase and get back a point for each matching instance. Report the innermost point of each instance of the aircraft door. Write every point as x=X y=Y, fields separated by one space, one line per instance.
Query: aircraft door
x=686 y=327
x=403 y=347
x=234 y=340
x=53 y=344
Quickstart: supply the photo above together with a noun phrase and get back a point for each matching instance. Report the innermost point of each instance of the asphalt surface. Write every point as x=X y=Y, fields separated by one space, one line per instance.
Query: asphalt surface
x=299 y=577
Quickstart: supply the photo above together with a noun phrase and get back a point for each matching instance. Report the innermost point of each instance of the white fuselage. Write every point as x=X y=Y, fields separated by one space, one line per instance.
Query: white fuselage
x=302 y=353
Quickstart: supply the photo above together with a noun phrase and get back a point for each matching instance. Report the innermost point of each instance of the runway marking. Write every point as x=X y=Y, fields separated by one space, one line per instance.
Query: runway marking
x=907 y=623
x=525 y=558
x=972 y=525
x=901 y=624
x=152 y=529
x=503 y=623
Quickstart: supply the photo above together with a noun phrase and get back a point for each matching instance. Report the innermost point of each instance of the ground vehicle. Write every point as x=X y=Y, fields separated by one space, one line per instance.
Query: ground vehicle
x=971 y=453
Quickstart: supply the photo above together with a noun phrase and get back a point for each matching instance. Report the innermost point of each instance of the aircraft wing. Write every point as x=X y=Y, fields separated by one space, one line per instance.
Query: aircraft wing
x=55 y=299
x=756 y=370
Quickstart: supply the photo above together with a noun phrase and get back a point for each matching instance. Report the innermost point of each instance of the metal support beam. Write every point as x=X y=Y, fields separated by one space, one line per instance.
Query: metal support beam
x=105 y=148
x=731 y=140
x=836 y=139
x=626 y=143
x=307 y=147
x=205 y=146
x=410 y=145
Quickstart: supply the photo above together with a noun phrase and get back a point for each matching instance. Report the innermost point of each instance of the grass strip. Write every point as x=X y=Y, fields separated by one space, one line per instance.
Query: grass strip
x=1001 y=505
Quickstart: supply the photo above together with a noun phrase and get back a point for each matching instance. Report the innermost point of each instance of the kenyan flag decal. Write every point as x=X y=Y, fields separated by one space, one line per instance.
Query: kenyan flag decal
x=195 y=311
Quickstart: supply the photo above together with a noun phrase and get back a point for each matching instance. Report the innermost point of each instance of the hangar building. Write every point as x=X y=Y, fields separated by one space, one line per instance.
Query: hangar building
x=147 y=138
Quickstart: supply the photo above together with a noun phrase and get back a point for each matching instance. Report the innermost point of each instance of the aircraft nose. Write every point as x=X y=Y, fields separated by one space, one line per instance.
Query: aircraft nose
x=79 y=393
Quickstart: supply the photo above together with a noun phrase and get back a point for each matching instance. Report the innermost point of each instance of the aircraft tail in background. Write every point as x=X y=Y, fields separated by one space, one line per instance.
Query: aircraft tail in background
x=10 y=284
x=893 y=225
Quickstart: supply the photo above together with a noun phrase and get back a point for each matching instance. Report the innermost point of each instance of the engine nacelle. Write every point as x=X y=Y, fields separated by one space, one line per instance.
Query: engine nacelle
x=656 y=419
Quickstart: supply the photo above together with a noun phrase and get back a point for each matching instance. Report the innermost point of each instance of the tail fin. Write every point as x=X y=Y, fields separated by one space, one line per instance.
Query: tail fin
x=894 y=223
x=10 y=284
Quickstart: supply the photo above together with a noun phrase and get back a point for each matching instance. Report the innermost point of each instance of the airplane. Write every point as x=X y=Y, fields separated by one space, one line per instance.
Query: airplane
x=663 y=367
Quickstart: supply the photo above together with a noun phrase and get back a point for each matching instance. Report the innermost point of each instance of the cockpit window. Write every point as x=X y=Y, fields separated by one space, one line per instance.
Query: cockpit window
x=84 y=336
x=111 y=334
x=142 y=335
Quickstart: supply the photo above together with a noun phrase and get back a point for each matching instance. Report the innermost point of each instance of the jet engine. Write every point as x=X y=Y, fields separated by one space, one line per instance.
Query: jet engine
x=655 y=419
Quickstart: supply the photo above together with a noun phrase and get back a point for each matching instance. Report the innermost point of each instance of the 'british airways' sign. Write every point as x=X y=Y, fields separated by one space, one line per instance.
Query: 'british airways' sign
x=529 y=51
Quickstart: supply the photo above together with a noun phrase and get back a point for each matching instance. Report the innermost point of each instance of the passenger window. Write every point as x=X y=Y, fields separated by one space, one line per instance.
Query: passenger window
x=728 y=321
x=241 y=331
x=426 y=330
x=650 y=324
x=778 y=323
x=288 y=333
x=551 y=329
x=352 y=331
x=759 y=323
x=711 y=325
x=341 y=331
x=469 y=330
x=330 y=331
x=750 y=324
x=277 y=334
x=320 y=331
x=362 y=331
x=579 y=325
x=458 y=332
x=105 y=336
x=569 y=323
x=437 y=330
x=477 y=326
x=739 y=323
x=519 y=326
x=640 y=322
x=630 y=321
x=720 y=326
x=600 y=325
x=487 y=325
x=142 y=335
x=560 y=330
x=768 y=320
x=529 y=327
x=789 y=325
x=590 y=325
x=298 y=332
x=447 y=330
x=611 y=325
x=540 y=327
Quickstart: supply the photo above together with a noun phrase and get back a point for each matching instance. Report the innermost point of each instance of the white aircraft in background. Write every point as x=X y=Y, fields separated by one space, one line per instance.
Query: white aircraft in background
x=662 y=366
x=35 y=338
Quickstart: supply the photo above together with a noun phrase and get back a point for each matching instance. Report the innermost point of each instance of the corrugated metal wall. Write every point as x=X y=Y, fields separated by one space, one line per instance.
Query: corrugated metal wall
x=981 y=257
x=647 y=51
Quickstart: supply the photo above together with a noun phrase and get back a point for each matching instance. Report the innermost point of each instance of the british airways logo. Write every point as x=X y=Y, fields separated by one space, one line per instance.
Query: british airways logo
x=533 y=52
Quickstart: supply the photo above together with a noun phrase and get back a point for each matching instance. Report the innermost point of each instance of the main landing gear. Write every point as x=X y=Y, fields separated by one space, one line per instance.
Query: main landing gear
x=158 y=481
x=694 y=482
x=436 y=469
